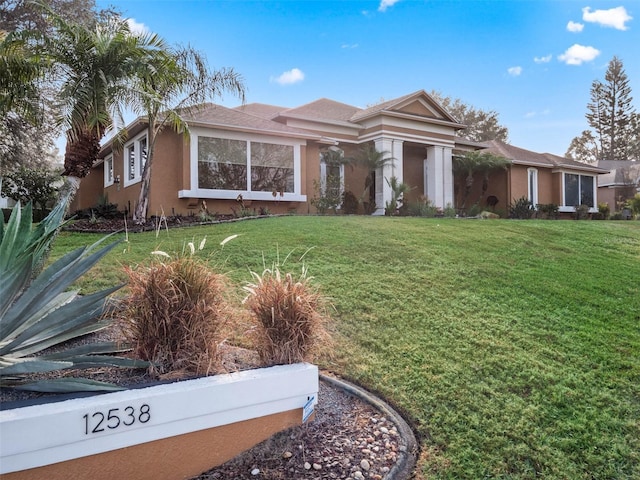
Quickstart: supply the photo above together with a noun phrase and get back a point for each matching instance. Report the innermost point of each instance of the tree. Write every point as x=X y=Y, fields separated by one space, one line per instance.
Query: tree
x=96 y=68
x=174 y=82
x=465 y=168
x=37 y=185
x=372 y=160
x=481 y=125
x=613 y=119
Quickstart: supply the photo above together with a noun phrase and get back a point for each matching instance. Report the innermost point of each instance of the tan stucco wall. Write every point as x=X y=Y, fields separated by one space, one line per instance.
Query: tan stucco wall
x=91 y=189
x=173 y=458
x=413 y=171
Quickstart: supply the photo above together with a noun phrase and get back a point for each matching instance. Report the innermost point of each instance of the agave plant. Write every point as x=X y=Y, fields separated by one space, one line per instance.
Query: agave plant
x=37 y=313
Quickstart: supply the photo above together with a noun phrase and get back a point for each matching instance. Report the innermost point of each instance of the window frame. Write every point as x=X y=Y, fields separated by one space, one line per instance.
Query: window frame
x=196 y=192
x=571 y=208
x=532 y=174
x=109 y=176
x=138 y=161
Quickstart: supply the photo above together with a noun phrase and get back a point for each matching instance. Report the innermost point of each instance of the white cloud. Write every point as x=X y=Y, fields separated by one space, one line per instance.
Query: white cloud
x=575 y=27
x=290 y=77
x=349 y=45
x=384 y=4
x=577 y=54
x=545 y=59
x=614 y=17
x=137 y=28
x=514 y=71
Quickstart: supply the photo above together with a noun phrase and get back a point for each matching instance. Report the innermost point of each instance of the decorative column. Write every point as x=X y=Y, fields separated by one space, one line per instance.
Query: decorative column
x=440 y=175
x=394 y=168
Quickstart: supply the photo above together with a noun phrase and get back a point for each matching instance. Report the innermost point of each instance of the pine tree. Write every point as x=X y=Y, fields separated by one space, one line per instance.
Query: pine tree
x=611 y=112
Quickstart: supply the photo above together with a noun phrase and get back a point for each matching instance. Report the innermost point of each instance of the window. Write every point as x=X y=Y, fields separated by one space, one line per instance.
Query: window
x=260 y=168
x=108 y=171
x=533 y=186
x=332 y=172
x=578 y=190
x=135 y=158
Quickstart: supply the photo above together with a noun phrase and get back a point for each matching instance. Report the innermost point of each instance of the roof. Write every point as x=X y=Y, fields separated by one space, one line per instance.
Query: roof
x=261 y=110
x=619 y=173
x=324 y=110
x=546 y=160
x=227 y=118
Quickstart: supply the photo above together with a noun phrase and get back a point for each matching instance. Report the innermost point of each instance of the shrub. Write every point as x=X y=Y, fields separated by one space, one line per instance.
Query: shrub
x=634 y=204
x=175 y=314
x=449 y=211
x=604 y=210
x=349 y=203
x=290 y=315
x=521 y=209
x=582 y=212
x=422 y=208
x=548 y=210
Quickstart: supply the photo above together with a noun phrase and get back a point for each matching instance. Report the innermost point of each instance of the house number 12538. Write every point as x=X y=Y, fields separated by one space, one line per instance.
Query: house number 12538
x=116 y=418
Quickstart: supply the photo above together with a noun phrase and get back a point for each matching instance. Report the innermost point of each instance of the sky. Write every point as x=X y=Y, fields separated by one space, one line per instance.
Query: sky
x=531 y=61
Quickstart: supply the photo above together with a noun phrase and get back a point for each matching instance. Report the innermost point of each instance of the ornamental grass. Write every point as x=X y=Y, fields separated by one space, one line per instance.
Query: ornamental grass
x=175 y=315
x=290 y=315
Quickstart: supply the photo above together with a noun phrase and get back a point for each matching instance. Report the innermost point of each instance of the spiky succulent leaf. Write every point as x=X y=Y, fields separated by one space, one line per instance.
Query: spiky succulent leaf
x=68 y=385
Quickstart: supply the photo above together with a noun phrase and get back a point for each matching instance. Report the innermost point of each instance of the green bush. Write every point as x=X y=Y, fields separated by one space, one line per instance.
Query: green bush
x=548 y=211
x=422 y=208
x=582 y=212
x=521 y=209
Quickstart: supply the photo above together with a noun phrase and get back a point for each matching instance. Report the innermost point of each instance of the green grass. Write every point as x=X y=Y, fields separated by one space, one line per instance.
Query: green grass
x=512 y=346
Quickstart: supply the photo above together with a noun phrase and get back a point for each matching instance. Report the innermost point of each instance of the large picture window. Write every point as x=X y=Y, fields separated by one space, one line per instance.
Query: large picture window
x=579 y=190
x=228 y=164
x=222 y=164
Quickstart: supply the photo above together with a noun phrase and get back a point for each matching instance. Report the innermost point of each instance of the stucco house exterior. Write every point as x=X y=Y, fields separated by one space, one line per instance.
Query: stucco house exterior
x=543 y=178
x=271 y=157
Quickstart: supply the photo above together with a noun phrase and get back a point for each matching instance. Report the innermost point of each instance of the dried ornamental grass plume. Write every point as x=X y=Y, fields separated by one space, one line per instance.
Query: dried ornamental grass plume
x=291 y=317
x=175 y=315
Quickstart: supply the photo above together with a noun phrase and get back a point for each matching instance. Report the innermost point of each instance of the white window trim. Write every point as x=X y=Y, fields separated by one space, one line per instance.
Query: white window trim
x=533 y=195
x=108 y=181
x=135 y=142
x=196 y=192
x=571 y=208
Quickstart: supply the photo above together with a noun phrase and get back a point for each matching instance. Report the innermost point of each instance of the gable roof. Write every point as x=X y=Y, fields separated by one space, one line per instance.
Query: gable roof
x=418 y=103
x=520 y=156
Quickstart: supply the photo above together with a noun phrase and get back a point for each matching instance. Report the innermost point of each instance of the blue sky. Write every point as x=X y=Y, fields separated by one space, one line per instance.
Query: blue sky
x=532 y=61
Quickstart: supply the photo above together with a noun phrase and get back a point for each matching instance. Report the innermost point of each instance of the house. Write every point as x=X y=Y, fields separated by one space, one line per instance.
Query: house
x=542 y=178
x=271 y=157
x=620 y=182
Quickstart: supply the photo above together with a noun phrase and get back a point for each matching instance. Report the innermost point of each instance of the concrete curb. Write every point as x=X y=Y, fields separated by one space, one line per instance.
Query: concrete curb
x=403 y=468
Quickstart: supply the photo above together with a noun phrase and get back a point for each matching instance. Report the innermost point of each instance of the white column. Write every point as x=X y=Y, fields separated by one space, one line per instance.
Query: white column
x=440 y=175
x=393 y=168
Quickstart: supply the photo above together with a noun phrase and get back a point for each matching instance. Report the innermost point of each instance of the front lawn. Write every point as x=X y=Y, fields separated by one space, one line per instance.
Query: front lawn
x=512 y=346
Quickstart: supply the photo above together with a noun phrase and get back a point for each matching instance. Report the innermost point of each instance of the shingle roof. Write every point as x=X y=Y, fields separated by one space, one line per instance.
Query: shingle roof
x=217 y=115
x=261 y=110
x=323 y=109
x=620 y=172
x=527 y=157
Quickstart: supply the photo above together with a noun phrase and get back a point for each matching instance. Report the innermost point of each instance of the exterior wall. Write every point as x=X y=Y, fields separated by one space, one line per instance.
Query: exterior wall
x=176 y=457
x=413 y=168
x=91 y=188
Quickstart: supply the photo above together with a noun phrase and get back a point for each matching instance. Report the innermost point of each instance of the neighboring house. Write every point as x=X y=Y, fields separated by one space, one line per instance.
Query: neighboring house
x=621 y=182
x=271 y=156
x=542 y=178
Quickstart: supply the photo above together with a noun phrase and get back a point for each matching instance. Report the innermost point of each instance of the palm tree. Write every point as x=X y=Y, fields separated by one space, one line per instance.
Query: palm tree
x=372 y=160
x=174 y=83
x=466 y=166
x=95 y=68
